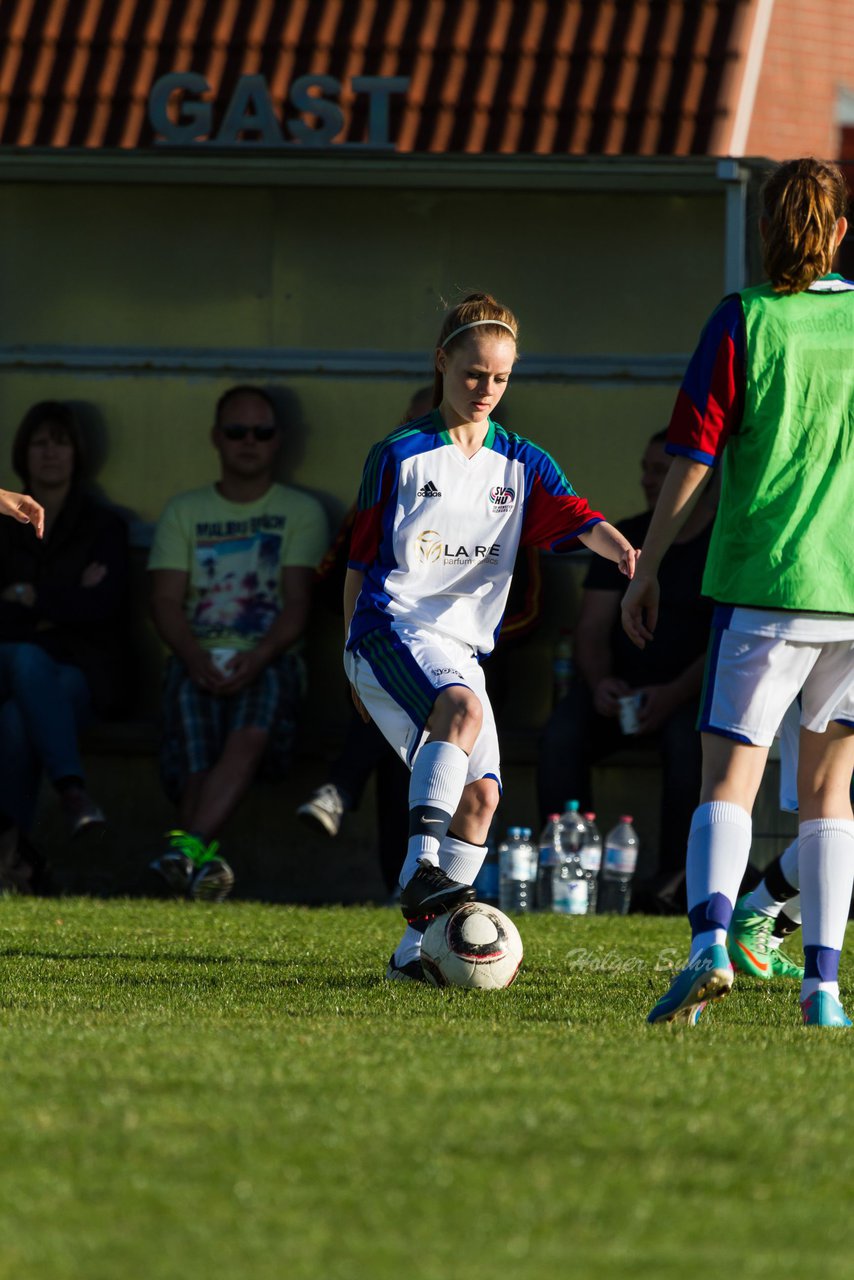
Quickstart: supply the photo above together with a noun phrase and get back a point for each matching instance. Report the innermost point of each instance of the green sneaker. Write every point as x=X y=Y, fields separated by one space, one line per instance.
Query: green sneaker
x=180 y=860
x=211 y=878
x=782 y=966
x=748 y=941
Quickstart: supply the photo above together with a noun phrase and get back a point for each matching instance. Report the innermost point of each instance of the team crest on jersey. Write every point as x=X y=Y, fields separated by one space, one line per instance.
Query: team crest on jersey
x=501 y=499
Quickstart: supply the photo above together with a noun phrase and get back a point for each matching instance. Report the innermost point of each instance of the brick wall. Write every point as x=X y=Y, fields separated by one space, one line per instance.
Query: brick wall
x=809 y=55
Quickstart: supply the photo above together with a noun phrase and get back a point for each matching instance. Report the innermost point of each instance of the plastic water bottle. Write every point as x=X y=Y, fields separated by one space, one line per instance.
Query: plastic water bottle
x=591 y=860
x=518 y=872
x=486 y=880
x=549 y=863
x=574 y=826
x=618 y=866
x=574 y=892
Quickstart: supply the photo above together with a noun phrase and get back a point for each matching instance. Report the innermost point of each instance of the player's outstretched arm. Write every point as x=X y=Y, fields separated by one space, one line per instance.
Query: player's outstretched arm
x=682 y=486
x=20 y=506
x=609 y=543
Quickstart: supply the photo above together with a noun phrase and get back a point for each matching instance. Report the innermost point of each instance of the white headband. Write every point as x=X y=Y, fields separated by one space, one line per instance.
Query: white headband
x=473 y=325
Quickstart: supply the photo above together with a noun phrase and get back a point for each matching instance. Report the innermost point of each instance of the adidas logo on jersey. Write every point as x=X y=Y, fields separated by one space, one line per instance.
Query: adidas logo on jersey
x=429 y=491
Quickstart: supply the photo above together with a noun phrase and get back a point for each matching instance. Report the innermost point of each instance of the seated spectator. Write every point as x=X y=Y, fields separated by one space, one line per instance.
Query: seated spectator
x=231 y=570
x=63 y=612
x=584 y=727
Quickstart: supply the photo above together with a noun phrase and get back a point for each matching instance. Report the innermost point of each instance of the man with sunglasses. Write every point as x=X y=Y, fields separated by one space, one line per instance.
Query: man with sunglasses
x=231 y=572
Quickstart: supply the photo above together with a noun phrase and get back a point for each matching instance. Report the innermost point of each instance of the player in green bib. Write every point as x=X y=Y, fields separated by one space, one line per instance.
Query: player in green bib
x=769 y=395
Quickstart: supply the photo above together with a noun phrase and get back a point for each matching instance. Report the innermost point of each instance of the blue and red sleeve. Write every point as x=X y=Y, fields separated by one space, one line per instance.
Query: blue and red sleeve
x=554 y=513
x=711 y=399
x=373 y=498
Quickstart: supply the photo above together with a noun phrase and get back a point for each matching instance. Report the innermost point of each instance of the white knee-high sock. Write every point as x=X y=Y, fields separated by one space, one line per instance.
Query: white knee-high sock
x=826 y=863
x=718 y=848
x=438 y=777
x=460 y=860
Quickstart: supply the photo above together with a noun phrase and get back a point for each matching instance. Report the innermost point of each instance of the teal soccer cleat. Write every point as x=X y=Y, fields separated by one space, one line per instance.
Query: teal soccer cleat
x=821 y=1009
x=707 y=977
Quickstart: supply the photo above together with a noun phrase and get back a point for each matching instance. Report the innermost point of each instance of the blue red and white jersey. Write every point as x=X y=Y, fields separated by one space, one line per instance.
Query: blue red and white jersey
x=436 y=533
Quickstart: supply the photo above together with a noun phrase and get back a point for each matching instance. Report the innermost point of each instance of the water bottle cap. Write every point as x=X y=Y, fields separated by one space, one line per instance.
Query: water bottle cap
x=626 y=817
x=590 y=816
x=572 y=806
x=553 y=817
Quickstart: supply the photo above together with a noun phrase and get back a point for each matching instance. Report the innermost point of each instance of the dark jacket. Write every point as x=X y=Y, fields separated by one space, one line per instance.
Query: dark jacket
x=84 y=626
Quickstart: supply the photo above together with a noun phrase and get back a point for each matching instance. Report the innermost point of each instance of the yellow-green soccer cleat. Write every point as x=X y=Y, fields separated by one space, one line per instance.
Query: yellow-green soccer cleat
x=750 y=949
x=782 y=966
x=707 y=977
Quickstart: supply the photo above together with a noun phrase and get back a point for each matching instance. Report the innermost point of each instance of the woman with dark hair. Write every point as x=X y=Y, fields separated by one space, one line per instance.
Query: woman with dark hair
x=62 y=610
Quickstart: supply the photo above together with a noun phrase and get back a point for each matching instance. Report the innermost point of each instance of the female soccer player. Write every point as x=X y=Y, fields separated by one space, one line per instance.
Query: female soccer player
x=444 y=505
x=770 y=391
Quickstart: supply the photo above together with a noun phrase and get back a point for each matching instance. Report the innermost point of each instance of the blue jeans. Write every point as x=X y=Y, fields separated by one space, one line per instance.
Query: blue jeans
x=43 y=707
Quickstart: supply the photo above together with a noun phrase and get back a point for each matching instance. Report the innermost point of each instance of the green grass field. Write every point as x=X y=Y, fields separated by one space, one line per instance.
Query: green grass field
x=235 y=1091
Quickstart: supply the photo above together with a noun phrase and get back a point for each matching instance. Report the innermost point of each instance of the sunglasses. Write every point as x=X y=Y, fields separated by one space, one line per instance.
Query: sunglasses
x=262 y=434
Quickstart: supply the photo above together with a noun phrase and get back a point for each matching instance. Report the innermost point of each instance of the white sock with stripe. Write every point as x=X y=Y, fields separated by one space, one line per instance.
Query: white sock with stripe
x=826 y=862
x=718 y=849
x=439 y=774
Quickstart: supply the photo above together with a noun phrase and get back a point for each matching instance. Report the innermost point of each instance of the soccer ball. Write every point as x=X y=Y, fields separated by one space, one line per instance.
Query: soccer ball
x=474 y=946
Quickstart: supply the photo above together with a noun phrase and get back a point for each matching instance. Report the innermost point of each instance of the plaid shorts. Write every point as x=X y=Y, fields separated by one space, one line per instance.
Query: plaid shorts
x=195 y=724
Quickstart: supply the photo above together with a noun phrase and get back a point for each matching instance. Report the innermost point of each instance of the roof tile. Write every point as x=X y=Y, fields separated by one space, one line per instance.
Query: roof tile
x=544 y=76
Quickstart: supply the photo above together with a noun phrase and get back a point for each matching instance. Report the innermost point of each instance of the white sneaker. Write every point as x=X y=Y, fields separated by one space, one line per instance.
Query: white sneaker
x=324 y=809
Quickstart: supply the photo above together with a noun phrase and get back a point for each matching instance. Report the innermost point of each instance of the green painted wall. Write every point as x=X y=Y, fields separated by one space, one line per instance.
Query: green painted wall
x=334 y=269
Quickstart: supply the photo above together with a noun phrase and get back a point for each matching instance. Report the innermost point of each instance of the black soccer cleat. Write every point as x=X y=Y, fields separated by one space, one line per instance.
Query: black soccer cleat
x=409 y=972
x=431 y=893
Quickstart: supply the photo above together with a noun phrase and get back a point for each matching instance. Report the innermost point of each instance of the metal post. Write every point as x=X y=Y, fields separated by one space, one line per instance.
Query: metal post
x=735 y=177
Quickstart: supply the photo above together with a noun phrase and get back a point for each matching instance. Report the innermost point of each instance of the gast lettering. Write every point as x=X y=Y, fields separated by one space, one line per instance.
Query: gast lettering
x=250 y=111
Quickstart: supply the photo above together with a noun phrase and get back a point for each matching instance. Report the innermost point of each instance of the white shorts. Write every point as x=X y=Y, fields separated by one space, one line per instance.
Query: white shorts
x=398 y=674
x=751 y=679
